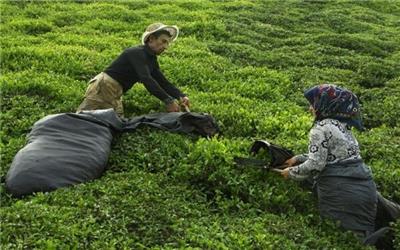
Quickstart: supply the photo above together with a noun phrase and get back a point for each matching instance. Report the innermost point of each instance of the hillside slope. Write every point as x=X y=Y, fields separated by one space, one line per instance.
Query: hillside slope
x=246 y=63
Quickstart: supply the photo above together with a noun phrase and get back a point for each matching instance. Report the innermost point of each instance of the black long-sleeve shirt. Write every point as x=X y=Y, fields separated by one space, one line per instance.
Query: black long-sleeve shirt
x=139 y=64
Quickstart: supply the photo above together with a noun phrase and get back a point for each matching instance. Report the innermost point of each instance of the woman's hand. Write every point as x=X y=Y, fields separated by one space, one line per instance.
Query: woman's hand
x=285 y=172
x=287 y=165
x=290 y=162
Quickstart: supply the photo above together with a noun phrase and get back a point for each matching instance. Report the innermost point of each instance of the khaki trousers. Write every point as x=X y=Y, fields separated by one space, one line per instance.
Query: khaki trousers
x=103 y=92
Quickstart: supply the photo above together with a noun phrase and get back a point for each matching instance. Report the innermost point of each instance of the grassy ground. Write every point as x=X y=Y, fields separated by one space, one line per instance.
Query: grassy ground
x=246 y=63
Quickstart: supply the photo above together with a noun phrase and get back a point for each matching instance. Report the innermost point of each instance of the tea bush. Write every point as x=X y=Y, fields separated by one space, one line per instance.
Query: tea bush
x=244 y=62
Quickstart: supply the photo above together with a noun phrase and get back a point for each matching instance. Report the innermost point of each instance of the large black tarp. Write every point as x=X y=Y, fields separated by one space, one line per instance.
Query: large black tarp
x=68 y=149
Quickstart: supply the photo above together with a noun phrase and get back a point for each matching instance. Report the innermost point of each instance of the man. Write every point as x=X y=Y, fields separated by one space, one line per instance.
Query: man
x=136 y=64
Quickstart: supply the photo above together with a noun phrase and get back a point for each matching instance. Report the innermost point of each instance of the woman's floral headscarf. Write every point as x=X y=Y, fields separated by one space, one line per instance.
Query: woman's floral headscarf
x=330 y=101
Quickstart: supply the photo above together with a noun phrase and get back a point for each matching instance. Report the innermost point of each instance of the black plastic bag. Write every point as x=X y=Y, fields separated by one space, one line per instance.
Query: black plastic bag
x=278 y=155
x=63 y=150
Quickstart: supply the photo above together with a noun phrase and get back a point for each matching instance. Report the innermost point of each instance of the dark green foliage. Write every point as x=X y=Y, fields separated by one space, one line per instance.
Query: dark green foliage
x=381 y=106
x=245 y=62
x=32 y=27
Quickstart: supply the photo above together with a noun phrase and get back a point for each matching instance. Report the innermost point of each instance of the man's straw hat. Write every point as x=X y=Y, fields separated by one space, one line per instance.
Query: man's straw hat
x=172 y=29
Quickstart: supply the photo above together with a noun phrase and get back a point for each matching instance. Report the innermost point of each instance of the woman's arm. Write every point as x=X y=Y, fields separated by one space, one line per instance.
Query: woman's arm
x=317 y=155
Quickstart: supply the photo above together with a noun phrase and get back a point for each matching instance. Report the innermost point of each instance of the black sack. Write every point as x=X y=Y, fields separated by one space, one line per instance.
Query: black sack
x=185 y=122
x=278 y=155
x=68 y=149
x=386 y=213
x=63 y=150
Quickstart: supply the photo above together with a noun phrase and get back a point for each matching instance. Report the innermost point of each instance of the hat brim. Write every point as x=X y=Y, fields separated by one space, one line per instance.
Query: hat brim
x=172 y=29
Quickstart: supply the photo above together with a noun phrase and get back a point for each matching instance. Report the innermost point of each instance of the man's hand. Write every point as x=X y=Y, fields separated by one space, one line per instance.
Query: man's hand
x=185 y=101
x=172 y=107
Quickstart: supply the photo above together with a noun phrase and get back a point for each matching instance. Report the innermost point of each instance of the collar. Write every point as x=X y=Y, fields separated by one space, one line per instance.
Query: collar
x=148 y=50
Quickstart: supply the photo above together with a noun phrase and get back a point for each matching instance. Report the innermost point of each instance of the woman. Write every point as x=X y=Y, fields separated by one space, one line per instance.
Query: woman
x=345 y=188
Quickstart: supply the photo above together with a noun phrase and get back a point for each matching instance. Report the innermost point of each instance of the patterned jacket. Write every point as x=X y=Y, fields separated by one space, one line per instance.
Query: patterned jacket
x=331 y=143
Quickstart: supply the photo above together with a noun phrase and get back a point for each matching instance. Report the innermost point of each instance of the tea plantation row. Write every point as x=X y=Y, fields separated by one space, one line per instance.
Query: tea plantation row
x=246 y=63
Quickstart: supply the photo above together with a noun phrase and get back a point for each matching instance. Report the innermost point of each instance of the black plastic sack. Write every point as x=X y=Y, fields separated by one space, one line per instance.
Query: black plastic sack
x=68 y=149
x=185 y=122
x=63 y=150
x=277 y=153
x=387 y=212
